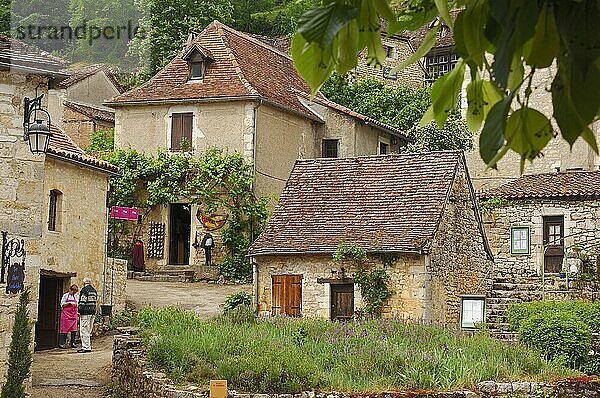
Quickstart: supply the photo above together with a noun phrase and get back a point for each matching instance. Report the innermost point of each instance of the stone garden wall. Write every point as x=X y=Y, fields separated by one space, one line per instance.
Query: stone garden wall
x=131 y=378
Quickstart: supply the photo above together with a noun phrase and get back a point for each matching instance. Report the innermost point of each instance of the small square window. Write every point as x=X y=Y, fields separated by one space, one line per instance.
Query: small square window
x=472 y=311
x=330 y=149
x=384 y=148
x=519 y=240
x=196 y=70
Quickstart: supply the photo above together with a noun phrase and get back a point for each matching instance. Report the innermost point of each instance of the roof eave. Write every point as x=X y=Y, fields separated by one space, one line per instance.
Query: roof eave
x=97 y=168
x=33 y=70
x=389 y=130
x=272 y=252
x=116 y=104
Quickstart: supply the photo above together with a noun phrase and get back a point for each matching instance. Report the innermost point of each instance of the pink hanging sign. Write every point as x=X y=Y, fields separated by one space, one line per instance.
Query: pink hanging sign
x=124 y=213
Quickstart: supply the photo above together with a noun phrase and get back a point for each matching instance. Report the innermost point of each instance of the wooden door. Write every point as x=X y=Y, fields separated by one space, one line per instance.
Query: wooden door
x=287 y=295
x=46 y=327
x=179 y=234
x=342 y=301
x=553 y=243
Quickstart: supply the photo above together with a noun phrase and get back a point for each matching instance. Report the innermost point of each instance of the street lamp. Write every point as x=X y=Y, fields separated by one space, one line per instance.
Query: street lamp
x=36 y=125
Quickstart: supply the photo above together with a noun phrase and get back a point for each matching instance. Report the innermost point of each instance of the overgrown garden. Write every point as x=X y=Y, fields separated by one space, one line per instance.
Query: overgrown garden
x=290 y=355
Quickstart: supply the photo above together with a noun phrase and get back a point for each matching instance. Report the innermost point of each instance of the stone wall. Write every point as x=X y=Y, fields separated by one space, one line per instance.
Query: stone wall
x=80 y=127
x=79 y=241
x=116 y=284
x=458 y=262
x=520 y=277
x=21 y=195
x=131 y=377
x=581 y=224
x=408 y=281
x=413 y=75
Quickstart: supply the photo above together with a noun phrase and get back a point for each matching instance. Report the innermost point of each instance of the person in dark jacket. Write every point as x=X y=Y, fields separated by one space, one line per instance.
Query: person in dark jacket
x=88 y=297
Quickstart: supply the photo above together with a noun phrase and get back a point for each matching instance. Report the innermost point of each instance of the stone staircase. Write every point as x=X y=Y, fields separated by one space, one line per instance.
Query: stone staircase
x=165 y=275
x=504 y=292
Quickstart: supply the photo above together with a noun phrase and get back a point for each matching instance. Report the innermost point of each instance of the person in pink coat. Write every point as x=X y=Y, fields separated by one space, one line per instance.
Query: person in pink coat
x=68 y=316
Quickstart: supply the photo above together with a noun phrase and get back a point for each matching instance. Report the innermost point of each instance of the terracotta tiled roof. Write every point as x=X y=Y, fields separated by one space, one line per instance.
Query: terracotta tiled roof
x=19 y=55
x=79 y=74
x=281 y=43
x=381 y=203
x=243 y=67
x=92 y=112
x=570 y=184
x=62 y=147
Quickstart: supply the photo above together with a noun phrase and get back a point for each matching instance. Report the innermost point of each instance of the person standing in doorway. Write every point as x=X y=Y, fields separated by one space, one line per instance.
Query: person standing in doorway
x=87 y=312
x=68 y=317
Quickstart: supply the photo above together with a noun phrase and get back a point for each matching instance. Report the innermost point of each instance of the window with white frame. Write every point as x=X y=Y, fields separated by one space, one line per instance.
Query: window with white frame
x=472 y=311
x=519 y=239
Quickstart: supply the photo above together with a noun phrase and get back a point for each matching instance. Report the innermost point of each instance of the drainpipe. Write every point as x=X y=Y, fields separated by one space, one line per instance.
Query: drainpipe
x=252 y=259
x=106 y=236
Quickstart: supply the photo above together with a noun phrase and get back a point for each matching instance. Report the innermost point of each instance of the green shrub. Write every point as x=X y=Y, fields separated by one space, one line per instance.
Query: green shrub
x=236 y=299
x=19 y=356
x=589 y=313
x=557 y=335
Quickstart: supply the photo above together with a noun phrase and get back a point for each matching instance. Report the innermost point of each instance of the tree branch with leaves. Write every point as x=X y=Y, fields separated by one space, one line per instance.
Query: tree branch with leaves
x=502 y=44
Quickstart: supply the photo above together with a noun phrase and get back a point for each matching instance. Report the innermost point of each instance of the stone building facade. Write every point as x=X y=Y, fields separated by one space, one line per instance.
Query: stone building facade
x=416 y=214
x=544 y=231
x=25 y=182
x=247 y=98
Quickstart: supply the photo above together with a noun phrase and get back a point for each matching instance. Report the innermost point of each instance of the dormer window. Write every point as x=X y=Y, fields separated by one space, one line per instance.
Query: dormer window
x=197 y=58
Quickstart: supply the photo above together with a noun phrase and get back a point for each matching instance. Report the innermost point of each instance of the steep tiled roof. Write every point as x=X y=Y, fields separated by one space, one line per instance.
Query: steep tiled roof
x=19 y=55
x=62 y=147
x=381 y=203
x=281 y=43
x=92 y=112
x=79 y=74
x=243 y=67
x=568 y=184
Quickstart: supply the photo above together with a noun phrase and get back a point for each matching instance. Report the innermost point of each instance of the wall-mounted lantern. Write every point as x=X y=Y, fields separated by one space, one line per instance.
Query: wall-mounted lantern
x=36 y=125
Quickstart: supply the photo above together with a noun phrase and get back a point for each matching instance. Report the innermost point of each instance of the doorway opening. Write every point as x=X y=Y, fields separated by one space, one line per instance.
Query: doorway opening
x=52 y=287
x=342 y=301
x=180 y=223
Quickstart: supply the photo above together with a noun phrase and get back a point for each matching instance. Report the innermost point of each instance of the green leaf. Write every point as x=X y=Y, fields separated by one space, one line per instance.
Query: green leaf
x=442 y=6
x=491 y=138
x=347 y=48
x=445 y=91
x=515 y=75
x=544 y=45
x=427 y=44
x=482 y=95
x=469 y=37
x=528 y=131
x=369 y=28
x=320 y=25
x=313 y=63
x=383 y=8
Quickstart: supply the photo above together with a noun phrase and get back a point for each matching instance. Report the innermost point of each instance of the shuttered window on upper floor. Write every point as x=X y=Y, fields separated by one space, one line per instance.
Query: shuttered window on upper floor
x=181 y=128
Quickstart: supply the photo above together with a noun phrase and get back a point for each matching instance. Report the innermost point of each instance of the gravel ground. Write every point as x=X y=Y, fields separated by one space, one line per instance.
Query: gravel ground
x=65 y=373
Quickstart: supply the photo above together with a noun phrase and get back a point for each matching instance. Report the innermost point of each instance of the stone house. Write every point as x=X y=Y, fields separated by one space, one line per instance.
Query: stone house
x=230 y=90
x=52 y=207
x=417 y=210
x=76 y=103
x=544 y=231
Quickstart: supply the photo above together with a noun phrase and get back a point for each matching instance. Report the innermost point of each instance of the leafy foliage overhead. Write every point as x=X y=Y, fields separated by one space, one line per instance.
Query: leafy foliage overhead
x=502 y=44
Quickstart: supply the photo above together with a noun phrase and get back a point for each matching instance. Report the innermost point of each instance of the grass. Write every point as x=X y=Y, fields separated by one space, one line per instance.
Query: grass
x=290 y=355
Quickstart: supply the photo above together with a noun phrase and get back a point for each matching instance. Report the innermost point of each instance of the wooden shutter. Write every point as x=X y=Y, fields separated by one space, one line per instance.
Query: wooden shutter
x=187 y=126
x=287 y=295
x=181 y=127
x=176 y=130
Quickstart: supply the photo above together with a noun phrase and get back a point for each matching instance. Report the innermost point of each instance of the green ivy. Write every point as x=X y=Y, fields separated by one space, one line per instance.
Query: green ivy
x=494 y=203
x=216 y=181
x=102 y=142
x=374 y=283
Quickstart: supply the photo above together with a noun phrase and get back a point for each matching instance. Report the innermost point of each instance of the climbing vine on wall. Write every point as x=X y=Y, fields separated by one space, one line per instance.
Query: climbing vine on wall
x=215 y=181
x=373 y=283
